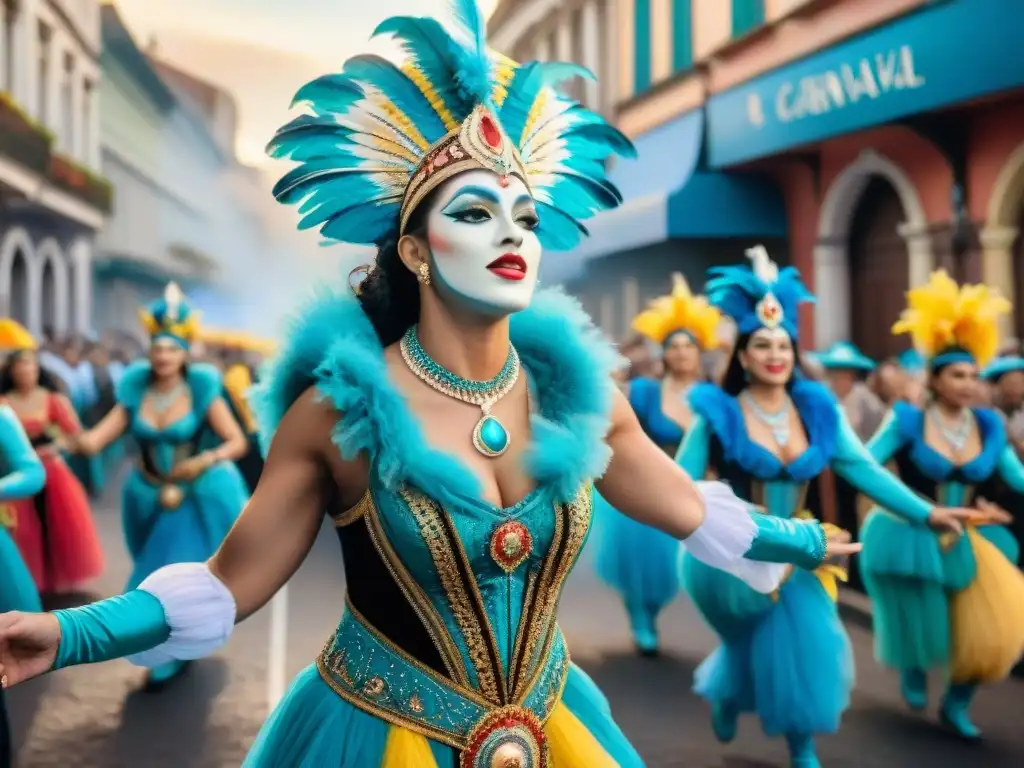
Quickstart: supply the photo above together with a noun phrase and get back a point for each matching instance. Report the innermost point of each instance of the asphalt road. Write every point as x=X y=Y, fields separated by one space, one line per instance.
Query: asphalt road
x=98 y=717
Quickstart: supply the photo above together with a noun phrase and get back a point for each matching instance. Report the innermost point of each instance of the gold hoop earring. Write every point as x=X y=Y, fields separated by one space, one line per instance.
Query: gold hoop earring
x=424 y=273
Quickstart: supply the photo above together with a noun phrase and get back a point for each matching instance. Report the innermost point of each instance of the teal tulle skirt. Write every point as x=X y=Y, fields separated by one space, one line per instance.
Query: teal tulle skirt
x=189 y=534
x=908 y=576
x=313 y=727
x=17 y=588
x=787 y=659
x=639 y=562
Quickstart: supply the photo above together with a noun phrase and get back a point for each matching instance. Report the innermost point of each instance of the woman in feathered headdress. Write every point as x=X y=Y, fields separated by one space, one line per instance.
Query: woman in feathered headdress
x=54 y=529
x=770 y=433
x=948 y=602
x=461 y=489
x=640 y=562
x=179 y=502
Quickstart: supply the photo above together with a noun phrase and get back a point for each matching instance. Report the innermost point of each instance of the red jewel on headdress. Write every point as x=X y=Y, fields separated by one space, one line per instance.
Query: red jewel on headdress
x=489 y=132
x=503 y=181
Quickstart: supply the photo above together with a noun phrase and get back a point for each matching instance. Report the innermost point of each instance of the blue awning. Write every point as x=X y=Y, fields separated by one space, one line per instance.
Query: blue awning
x=666 y=195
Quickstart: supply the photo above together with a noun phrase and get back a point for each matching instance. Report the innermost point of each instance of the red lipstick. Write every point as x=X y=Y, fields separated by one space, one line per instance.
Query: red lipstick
x=510 y=266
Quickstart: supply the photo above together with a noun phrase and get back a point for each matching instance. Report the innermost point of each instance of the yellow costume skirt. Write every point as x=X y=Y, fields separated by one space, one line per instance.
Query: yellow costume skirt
x=987 y=617
x=571 y=745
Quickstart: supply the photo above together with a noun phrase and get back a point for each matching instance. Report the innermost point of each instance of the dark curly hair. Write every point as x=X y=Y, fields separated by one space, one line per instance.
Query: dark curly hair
x=390 y=293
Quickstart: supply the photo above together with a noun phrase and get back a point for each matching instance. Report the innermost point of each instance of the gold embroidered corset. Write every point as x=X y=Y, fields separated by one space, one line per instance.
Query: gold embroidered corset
x=462 y=600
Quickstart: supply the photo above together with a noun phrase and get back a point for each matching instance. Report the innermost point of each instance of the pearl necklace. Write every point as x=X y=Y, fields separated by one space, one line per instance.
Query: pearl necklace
x=777 y=422
x=958 y=434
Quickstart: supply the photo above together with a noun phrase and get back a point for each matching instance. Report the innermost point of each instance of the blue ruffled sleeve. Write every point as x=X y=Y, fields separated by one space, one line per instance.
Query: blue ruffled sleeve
x=1011 y=469
x=692 y=455
x=24 y=475
x=206 y=385
x=859 y=466
x=133 y=384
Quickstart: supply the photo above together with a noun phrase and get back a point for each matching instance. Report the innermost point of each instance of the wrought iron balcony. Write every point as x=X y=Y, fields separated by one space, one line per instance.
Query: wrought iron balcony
x=22 y=139
x=69 y=176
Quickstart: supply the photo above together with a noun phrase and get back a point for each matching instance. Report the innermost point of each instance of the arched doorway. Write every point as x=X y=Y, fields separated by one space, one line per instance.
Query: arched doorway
x=49 y=304
x=879 y=269
x=19 y=298
x=894 y=252
x=1003 y=239
x=71 y=295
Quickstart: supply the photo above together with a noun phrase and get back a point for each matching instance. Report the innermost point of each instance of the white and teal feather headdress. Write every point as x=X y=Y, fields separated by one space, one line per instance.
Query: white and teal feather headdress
x=378 y=138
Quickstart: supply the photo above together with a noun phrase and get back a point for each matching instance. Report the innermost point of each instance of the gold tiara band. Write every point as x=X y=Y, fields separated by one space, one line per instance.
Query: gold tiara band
x=479 y=143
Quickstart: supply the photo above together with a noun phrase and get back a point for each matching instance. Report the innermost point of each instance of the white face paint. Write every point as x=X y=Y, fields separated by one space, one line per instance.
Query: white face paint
x=485 y=251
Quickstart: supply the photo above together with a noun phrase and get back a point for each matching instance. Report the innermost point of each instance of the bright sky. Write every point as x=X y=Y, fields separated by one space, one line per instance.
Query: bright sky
x=262 y=51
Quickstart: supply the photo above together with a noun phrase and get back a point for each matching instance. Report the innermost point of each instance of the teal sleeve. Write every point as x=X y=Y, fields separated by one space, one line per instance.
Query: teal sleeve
x=110 y=629
x=887 y=440
x=778 y=540
x=692 y=455
x=23 y=474
x=859 y=466
x=1011 y=469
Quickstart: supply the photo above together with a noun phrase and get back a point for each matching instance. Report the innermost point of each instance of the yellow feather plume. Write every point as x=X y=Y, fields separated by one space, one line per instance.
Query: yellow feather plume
x=14 y=337
x=186 y=330
x=680 y=311
x=428 y=90
x=941 y=315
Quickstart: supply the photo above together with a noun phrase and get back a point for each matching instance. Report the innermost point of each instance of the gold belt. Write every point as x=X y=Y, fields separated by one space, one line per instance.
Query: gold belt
x=170 y=495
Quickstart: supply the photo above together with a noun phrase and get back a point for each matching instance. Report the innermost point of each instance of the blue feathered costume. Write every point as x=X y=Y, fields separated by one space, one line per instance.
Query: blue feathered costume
x=784 y=656
x=641 y=563
x=481 y=656
x=167 y=522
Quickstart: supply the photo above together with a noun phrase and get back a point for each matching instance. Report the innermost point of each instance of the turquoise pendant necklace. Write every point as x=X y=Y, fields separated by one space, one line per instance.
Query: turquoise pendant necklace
x=489 y=435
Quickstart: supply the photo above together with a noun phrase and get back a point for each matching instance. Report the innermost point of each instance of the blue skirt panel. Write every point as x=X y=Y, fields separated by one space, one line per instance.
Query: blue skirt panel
x=190 y=533
x=17 y=588
x=639 y=562
x=786 y=658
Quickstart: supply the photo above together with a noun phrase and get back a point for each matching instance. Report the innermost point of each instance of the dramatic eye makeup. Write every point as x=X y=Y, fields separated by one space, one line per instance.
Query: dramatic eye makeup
x=471 y=204
x=475 y=205
x=526 y=213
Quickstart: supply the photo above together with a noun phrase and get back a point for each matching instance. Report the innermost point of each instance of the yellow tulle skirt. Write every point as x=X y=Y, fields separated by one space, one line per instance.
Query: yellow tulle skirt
x=987 y=618
x=571 y=745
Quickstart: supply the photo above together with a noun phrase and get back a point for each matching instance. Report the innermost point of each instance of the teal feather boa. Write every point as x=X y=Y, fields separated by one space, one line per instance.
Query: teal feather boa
x=333 y=347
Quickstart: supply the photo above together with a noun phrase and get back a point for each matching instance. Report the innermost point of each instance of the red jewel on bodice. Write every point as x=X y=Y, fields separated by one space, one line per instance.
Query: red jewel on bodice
x=489 y=132
x=511 y=544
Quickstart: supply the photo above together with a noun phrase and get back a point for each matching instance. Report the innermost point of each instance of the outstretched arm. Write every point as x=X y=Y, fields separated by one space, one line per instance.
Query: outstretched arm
x=644 y=482
x=110 y=428
x=25 y=474
x=715 y=525
x=302 y=476
x=1011 y=469
x=862 y=467
x=187 y=611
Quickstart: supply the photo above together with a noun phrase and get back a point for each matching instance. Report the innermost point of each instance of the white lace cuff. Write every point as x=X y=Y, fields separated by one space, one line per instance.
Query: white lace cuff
x=726 y=535
x=199 y=609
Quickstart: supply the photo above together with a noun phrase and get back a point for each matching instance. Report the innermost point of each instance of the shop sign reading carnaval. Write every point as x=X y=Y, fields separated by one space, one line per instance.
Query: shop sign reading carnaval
x=897 y=70
x=883 y=75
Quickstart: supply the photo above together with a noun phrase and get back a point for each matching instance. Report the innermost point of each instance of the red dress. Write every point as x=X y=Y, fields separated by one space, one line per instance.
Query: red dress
x=54 y=529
